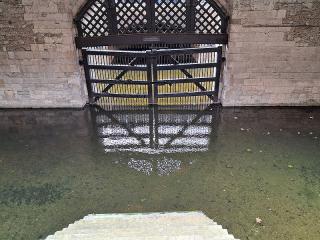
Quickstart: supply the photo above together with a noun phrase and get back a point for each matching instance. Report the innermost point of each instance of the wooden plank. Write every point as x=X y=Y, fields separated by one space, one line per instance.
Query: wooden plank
x=125 y=82
x=183 y=66
x=150 y=38
x=120 y=95
x=186 y=94
x=117 y=53
x=118 y=67
x=184 y=80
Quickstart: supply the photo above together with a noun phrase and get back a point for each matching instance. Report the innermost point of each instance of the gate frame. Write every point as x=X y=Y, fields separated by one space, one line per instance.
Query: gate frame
x=113 y=37
x=151 y=67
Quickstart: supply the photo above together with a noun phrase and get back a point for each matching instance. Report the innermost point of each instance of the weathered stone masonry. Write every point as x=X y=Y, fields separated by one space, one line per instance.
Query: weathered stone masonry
x=38 y=60
x=273 y=57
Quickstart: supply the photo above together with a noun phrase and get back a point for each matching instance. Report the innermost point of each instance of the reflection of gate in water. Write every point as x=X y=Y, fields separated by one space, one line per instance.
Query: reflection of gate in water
x=156 y=139
x=155 y=131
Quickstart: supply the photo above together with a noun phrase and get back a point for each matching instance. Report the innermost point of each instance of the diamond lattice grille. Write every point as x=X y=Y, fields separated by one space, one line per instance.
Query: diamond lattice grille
x=131 y=16
x=106 y=17
x=207 y=20
x=170 y=16
x=94 y=21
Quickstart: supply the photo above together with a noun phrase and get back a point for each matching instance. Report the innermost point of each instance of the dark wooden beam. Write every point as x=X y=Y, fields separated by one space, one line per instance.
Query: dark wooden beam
x=150 y=38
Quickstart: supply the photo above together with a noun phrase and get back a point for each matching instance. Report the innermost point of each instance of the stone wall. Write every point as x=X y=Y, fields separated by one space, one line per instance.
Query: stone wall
x=38 y=60
x=273 y=57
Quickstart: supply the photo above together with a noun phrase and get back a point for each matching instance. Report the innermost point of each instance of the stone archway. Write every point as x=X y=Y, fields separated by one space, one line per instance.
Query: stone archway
x=188 y=25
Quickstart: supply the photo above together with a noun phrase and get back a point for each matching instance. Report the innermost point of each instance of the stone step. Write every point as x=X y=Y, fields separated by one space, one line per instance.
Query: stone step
x=122 y=227
x=153 y=226
x=145 y=231
x=181 y=237
x=184 y=216
x=213 y=235
x=132 y=222
x=143 y=215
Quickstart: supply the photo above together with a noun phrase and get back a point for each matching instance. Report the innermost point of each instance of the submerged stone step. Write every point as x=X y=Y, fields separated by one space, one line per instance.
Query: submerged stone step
x=145 y=231
x=153 y=226
x=136 y=221
x=181 y=237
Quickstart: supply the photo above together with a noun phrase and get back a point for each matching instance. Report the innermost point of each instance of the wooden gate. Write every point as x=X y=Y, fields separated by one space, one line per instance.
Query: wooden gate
x=164 y=76
x=163 y=52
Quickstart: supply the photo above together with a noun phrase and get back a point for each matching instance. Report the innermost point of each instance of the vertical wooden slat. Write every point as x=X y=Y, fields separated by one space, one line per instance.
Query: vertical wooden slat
x=87 y=75
x=150 y=77
x=224 y=25
x=154 y=77
x=153 y=15
x=150 y=15
x=218 y=73
x=191 y=13
x=111 y=6
x=156 y=126
x=151 y=128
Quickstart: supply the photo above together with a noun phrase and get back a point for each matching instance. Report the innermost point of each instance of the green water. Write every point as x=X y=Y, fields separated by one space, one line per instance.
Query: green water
x=56 y=166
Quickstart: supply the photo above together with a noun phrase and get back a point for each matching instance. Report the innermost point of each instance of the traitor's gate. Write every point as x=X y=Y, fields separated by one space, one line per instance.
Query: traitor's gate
x=156 y=52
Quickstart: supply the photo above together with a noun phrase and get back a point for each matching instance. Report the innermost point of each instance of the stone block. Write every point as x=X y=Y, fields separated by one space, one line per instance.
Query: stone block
x=2 y=83
x=14 y=68
x=9 y=94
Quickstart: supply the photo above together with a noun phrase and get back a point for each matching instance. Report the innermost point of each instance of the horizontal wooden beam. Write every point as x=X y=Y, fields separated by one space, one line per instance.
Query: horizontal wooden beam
x=124 y=82
x=184 y=66
x=119 y=95
x=184 y=80
x=187 y=94
x=149 y=38
x=160 y=82
x=118 y=67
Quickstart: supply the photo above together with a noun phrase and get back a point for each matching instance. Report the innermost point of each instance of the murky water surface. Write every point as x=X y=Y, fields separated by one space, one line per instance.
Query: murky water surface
x=57 y=166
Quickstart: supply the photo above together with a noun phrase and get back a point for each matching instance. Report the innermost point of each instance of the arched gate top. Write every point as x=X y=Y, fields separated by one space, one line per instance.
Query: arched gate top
x=185 y=18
